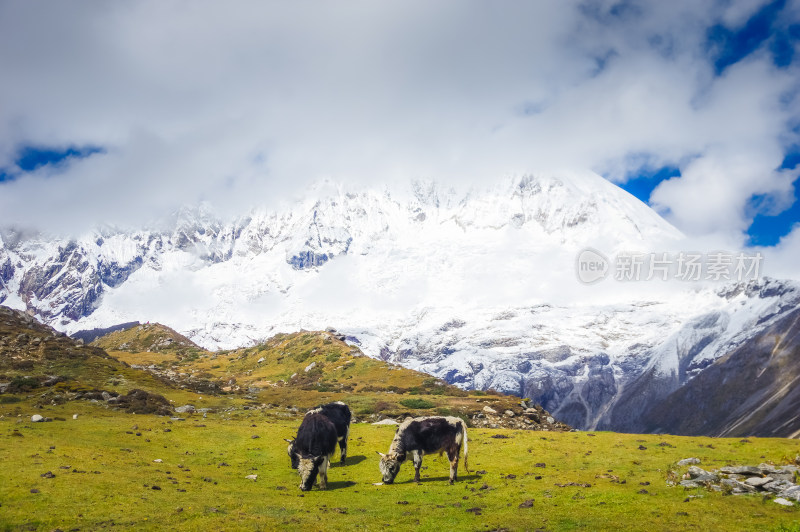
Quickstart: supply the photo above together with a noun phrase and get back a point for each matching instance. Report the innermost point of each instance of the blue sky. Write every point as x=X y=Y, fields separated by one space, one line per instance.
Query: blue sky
x=114 y=115
x=765 y=31
x=31 y=158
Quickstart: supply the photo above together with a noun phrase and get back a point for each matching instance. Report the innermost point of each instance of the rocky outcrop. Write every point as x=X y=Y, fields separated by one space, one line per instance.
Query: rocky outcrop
x=779 y=482
x=751 y=391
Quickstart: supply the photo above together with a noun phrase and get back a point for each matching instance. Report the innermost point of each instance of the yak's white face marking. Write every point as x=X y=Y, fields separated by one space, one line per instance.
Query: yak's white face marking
x=308 y=469
x=389 y=468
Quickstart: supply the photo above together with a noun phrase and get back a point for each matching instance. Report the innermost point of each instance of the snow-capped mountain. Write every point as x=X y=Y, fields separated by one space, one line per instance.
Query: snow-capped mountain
x=477 y=286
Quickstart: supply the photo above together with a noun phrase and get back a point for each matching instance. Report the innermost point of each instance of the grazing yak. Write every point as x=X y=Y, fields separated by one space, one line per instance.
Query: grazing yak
x=340 y=416
x=425 y=435
x=313 y=446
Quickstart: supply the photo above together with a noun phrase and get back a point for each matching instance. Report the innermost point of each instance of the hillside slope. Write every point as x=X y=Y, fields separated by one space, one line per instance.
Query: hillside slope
x=753 y=390
x=304 y=369
x=39 y=362
x=148 y=338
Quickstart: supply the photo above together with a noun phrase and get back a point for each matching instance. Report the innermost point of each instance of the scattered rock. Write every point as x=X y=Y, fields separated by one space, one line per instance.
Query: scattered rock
x=749 y=471
x=489 y=410
x=252 y=477
x=779 y=500
x=526 y=504
x=74 y=416
x=758 y=481
x=49 y=474
x=701 y=475
x=387 y=421
x=689 y=461
x=142 y=402
x=791 y=493
x=158 y=460
x=185 y=409
x=777 y=486
x=36 y=418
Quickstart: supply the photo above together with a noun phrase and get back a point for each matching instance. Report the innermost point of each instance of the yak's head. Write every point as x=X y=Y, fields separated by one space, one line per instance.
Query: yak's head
x=295 y=459
x=308 y=467
x=390 y=466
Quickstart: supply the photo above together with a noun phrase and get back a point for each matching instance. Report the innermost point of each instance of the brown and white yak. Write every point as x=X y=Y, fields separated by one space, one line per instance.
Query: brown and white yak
x=425 y=435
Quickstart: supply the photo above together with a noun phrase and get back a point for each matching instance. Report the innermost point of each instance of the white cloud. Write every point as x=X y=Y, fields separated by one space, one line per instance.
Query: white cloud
x=250 y=103
x=780 y=261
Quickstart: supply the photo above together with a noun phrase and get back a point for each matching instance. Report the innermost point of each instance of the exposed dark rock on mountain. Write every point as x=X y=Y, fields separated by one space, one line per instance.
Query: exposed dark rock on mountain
x=754 y=390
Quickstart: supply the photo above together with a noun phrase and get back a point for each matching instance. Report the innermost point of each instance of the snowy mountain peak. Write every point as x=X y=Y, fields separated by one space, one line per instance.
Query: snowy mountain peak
x=420 y=229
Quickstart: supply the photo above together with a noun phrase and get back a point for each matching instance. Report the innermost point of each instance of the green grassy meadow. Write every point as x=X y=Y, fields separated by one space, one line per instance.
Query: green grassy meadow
x=106 y=478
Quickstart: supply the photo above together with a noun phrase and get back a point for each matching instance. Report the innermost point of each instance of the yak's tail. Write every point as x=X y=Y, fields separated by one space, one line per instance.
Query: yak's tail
x=466 y=450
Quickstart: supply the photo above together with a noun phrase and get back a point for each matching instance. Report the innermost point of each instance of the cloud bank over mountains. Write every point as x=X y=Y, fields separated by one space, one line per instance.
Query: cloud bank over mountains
x=249 y=104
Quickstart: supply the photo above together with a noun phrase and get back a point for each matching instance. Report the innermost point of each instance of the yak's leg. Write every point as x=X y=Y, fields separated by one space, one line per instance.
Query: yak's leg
x=417 y=464
x=343 y=444
x=323 y=474
x=453 y=456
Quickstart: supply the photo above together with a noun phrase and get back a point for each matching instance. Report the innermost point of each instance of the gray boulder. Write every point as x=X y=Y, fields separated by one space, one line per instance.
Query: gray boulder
x=736 y=486
x=793 y=493
x=701 y=475
x=758 y=481
x=777 y=486
x=750 y=471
